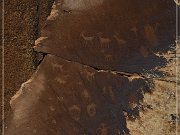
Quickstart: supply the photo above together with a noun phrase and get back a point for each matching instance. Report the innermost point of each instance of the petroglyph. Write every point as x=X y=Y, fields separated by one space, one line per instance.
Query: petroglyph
x=97 y=88
x=90 y=75
x=57 y=66
x=108 y=57
x=91 y=110
x=54 y=122
x=85 y=94
x=52 y=108
x=103 y=130
x=87 y=39
x=104 y=90
x=75 y=112
x=111 y=93
x=61 y=99
x=119 y=40
x=104 y=42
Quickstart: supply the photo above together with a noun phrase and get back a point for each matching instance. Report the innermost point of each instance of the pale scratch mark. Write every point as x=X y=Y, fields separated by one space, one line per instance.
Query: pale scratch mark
x=104 y=90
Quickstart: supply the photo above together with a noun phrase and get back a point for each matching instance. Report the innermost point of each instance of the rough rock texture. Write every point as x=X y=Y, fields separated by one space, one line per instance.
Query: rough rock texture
x=0 y=60
x=107 y=35
x=23 y=19
x=160 y=118
x=69 y=98
x=75 y=90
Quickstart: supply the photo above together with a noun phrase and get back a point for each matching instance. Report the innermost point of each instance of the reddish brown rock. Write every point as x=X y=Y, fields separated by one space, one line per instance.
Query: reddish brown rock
x=110 y=34
x=68 y=98
x=75 y=90
x=22 y=21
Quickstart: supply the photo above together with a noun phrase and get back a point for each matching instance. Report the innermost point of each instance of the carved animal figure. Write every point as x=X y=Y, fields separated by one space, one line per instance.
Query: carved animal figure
x=119 y=40
x=87 y=39
x=108 y=57
x=104 y=42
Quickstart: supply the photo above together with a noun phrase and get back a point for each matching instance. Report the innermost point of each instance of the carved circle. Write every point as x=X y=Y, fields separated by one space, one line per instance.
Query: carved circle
x=91 y=110
x=75 y=112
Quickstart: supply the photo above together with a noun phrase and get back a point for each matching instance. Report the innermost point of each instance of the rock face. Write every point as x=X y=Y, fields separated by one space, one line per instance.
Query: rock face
x=110 y=34
x=80 y=87
x=23 y=20
x=69 y=98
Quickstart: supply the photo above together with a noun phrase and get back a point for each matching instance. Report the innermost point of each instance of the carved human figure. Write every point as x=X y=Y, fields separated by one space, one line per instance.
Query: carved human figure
x=135 y=30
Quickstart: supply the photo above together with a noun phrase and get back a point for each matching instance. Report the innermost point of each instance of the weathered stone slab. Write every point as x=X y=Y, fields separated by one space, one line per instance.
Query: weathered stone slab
x=110 y=34
x=67 y=98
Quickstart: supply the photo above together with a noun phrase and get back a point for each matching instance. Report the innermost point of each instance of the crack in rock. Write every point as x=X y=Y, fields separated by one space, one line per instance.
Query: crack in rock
x=90 y=79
